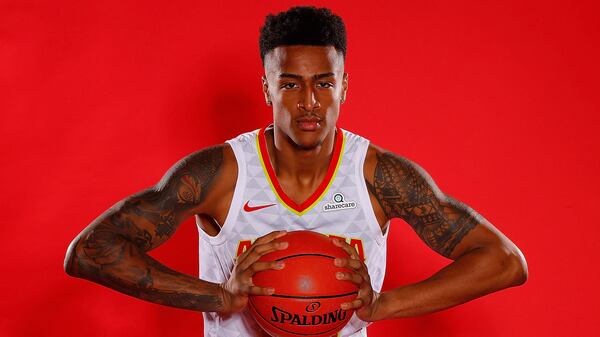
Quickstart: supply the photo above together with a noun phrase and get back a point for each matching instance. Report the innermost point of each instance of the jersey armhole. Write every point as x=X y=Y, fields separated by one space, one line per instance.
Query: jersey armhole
x=236 y=199
x=364 y=195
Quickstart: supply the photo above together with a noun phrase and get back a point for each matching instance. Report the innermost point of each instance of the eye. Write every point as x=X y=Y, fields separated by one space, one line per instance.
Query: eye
x=326 y=85
x=288 y=85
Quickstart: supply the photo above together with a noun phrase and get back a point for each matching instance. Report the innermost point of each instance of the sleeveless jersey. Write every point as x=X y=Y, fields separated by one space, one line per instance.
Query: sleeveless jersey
x=339 y=207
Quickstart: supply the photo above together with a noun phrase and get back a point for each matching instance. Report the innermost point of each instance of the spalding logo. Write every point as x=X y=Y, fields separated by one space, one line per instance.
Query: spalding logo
x=284 y=317
x=314 y=306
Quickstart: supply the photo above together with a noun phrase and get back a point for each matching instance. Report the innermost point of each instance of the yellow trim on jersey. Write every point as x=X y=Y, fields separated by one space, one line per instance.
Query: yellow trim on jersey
x=262 y=163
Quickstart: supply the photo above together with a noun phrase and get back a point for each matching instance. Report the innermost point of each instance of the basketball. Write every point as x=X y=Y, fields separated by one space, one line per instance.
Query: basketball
x=307 y=294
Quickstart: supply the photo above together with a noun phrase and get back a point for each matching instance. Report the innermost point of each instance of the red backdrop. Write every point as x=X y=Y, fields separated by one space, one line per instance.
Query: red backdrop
x=497 y=100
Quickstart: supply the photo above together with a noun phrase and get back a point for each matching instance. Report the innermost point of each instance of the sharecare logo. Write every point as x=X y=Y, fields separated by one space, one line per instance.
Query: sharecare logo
x=338 y=203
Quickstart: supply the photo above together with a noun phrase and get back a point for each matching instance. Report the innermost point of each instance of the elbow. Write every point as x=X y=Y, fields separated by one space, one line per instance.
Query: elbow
x=508 y=266
x=518 y=267
x=71 y=257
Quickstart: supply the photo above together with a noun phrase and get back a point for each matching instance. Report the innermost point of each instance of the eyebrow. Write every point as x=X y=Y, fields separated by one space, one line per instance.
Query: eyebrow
x=316 y=77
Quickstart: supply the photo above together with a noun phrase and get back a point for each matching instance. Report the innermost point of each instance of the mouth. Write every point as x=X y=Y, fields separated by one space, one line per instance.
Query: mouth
x=308 y=123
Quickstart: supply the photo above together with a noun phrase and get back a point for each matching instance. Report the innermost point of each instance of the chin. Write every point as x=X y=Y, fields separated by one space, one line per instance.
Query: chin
x=308 y=140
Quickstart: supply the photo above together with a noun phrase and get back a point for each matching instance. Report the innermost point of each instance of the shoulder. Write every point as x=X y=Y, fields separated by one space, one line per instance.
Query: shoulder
x=384 y=161
x=204 y=175
x=207 y=162
x=396 y=181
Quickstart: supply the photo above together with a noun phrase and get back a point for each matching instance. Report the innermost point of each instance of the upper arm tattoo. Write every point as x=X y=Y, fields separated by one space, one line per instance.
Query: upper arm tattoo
x=404 y=190
x=150 y=217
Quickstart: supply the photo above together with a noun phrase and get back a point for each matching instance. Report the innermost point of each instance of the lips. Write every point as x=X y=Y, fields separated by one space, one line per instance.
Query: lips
x=308 y=123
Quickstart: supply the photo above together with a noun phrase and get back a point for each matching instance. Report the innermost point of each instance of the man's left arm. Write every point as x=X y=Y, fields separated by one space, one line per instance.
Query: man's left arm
x=485 y=260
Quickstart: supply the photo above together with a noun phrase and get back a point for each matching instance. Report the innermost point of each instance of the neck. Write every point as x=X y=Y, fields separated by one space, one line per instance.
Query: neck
x=305 y=166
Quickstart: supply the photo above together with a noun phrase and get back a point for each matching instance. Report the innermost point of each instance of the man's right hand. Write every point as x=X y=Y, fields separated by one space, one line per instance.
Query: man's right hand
x=239 y=285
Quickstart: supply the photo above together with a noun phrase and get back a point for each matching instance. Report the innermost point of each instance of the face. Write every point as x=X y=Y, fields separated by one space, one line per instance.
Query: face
x=305 y=85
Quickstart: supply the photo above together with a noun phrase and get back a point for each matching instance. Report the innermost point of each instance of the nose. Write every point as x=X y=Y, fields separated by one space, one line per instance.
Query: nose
x=309 y=100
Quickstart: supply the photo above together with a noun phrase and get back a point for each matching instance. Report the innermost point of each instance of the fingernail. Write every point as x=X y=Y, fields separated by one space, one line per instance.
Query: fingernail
x=270 y=291
x=337 y=262
x=280 y=265
x=344 y=306
x=283 y=245
x=339 y=275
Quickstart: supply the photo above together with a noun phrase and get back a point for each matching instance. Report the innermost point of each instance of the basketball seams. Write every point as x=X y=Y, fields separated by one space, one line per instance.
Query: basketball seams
x=304 y=254
x=316 y=296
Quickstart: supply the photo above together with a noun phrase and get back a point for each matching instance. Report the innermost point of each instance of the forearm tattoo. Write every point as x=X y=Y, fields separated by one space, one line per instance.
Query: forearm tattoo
x=405 y=191
x=113 y=249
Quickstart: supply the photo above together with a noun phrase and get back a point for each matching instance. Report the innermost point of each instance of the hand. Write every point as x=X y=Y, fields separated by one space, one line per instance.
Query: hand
x=364 y=304
x=239 y=285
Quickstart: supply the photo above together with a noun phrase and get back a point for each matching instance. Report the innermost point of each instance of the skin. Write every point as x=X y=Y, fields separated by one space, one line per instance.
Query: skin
x=301 y=83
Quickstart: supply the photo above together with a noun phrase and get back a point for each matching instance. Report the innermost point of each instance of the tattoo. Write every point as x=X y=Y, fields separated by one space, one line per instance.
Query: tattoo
x=405 y=191
x=113 y=249
x=183 y=292
x=146 y=282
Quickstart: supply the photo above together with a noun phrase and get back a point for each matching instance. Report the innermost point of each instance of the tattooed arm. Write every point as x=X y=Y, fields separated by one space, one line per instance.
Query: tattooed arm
x=112 y=250
x=484 y=259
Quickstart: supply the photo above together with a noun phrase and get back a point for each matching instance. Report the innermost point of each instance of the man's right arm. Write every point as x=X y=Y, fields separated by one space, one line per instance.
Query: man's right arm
x=112 y=250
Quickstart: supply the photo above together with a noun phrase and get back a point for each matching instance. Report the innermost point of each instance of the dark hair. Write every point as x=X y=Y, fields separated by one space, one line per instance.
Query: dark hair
x=302 y=25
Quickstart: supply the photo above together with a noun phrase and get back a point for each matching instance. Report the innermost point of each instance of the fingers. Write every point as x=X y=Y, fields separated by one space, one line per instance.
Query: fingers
x=359 y=275
x=258 y=244
x=366 y=295
x=269 y=237
x=356 y=265
x=355 y=304
x=255 y=252
x=348 y=263
x=256 y=267
x=247 y=264
x=352 y=277
x=347 y=248
x=250 y=289
x=260 y=266
x=258 y=291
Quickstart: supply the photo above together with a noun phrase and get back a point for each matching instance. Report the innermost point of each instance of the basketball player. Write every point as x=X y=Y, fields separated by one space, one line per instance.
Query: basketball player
x=301 y=172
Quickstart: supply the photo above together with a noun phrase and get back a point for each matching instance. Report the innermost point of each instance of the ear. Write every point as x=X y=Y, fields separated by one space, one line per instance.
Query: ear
x=344 y=87
x=265 y=89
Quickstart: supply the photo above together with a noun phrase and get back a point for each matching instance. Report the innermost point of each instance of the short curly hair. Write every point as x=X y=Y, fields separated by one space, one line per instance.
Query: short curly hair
x=302 y=25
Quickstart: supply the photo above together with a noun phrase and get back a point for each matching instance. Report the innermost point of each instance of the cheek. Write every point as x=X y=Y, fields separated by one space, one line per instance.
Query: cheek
x=288 y=98
x=281 y=115
x=333 y=113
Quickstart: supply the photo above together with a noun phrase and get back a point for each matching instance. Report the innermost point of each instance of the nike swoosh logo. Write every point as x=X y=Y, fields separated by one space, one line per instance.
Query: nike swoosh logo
x=249 y=208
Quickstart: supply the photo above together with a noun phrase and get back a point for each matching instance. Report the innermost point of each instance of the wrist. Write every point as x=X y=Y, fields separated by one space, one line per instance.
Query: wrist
x=378 y=305
x=224 y=298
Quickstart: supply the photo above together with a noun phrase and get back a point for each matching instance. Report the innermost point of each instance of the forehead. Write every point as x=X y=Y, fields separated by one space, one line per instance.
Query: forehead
x=300 y=59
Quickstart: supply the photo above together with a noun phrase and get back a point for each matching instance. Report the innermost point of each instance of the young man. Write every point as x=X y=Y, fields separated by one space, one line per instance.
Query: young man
x=290 y=176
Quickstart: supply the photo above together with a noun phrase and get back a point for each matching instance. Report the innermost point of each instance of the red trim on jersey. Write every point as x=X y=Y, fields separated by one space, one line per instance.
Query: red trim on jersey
x=335 y=158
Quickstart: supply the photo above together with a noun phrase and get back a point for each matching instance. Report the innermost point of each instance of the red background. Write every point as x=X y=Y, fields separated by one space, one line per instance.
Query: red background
x=497 y=100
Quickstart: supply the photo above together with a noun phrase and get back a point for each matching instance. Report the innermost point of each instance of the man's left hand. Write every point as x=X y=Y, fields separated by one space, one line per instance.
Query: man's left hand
x=366 y=301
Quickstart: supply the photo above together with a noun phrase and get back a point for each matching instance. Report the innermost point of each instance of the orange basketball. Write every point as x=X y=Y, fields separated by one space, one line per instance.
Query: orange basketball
x=307 y=294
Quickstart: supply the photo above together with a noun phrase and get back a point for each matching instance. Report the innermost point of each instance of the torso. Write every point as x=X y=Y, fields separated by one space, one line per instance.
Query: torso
x=227 y=227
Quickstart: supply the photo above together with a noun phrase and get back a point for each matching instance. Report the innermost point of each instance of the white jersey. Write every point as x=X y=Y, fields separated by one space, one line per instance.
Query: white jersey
x=340 y=206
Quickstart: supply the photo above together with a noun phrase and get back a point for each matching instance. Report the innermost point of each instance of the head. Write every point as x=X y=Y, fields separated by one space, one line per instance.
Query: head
x=303 y=51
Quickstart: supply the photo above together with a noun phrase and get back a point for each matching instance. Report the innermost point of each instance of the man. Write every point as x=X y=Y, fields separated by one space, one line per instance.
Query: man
x=289 y=176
